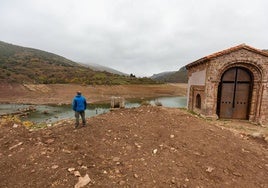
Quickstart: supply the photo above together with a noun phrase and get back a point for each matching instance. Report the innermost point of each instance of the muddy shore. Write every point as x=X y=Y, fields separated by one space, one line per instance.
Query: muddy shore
x=64 y=93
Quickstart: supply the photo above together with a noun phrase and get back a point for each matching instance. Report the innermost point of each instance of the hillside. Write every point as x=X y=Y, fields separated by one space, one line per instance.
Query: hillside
x=162 y=74
x=27 y=65
x=179 y=76
x=97 y=67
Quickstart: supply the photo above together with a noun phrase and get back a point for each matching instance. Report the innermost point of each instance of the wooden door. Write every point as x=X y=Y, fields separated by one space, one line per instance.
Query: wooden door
x=235 y=92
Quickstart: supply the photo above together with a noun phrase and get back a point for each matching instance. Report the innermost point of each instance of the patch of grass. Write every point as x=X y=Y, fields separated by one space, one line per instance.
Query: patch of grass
x=39 y=126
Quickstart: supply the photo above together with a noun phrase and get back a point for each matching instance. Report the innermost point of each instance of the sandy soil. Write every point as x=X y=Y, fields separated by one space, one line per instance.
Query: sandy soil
x=64 y=93
x=140 y=147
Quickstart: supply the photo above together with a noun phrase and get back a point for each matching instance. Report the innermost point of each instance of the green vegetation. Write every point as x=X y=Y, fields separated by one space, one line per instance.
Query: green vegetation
x=26 y=65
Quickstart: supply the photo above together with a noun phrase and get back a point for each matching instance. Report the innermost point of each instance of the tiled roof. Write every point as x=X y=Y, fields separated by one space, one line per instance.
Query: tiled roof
x=227 y=51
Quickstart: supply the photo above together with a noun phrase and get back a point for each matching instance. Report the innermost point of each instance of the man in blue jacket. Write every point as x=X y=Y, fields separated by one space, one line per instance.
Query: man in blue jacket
x=79 y=106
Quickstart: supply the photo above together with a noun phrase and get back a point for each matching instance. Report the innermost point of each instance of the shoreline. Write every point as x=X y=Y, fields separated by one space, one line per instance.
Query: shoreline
x=62 y=94
x=139 y=99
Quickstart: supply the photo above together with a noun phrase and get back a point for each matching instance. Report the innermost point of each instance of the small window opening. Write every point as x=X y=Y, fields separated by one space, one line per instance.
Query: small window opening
x=198 y=101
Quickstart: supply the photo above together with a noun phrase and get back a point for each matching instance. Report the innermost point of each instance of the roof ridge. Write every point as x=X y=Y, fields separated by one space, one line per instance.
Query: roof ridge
x=226 y=51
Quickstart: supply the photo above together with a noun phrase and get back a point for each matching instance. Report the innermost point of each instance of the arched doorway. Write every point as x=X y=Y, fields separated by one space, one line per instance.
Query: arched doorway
x=198 y=101
x=234 y=94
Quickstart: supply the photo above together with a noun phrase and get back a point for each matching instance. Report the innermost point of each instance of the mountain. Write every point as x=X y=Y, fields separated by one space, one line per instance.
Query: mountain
x=162 y=74
x=179 y=76
x=27 y=65
x=97 y=67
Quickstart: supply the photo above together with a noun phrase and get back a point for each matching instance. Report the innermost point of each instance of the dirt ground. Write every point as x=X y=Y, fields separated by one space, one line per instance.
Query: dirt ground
x=139 y=147
x=64 y=93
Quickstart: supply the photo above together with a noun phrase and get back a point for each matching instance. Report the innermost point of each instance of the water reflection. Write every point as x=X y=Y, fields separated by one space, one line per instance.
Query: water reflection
x=50 y=113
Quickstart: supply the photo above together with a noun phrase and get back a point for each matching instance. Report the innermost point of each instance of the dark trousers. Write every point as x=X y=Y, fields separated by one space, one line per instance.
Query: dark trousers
x=82 y=114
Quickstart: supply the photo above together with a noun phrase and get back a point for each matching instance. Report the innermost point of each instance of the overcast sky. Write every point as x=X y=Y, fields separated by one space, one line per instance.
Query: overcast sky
x=142 y=37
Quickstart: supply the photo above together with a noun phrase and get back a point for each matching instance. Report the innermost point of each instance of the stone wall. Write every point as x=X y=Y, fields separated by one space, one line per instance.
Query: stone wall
x=196 y=90
x=197 y=77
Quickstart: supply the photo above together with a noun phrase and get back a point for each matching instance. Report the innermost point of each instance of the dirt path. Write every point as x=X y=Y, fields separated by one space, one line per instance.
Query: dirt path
x=64 y=93
x=139 y=147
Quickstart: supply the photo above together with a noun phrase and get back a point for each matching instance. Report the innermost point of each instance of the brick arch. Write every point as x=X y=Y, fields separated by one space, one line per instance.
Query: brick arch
x=258 y=76
x=198 y=101
x=256 y=70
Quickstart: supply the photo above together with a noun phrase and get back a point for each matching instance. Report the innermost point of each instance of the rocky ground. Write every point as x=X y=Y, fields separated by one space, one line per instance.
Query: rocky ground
x=140 y=147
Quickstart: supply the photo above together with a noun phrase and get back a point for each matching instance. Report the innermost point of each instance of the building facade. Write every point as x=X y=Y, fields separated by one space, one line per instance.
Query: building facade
x=230 y=84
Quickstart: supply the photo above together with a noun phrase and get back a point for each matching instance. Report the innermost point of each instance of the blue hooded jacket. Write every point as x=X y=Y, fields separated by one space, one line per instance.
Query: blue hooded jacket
x=79 y=103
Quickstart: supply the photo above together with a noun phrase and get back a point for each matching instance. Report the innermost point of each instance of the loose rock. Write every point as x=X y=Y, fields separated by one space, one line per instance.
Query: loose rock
x=116 y=159
x=82 y=181
x=71 y=169
x=210 y=169
x=77 y=174
x=55 y=167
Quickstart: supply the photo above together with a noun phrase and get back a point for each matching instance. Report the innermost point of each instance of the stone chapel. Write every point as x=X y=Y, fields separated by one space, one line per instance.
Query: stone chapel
x=230 y=84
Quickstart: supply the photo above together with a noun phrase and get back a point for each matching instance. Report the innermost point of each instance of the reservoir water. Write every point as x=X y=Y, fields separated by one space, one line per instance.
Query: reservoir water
x=53 y=113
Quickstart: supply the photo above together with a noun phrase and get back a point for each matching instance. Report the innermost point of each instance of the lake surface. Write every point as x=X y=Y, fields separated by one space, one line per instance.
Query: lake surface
x=51 y=114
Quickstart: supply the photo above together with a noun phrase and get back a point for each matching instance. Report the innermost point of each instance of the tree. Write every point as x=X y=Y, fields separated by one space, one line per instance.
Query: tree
x=132 y=75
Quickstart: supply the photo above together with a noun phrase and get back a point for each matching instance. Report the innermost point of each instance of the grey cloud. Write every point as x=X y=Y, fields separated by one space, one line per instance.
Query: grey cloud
x=142 y=37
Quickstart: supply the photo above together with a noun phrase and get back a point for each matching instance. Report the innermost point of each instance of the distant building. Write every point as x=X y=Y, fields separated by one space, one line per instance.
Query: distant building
x=230 y=84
